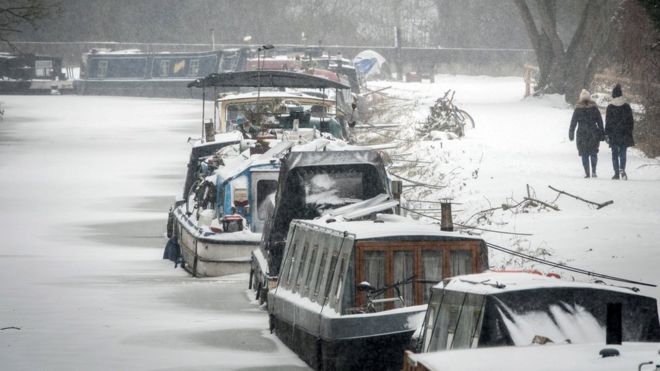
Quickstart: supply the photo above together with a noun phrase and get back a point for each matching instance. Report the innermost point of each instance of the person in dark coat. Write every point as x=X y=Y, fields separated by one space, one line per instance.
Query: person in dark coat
x=619 y=130
x=590 y=132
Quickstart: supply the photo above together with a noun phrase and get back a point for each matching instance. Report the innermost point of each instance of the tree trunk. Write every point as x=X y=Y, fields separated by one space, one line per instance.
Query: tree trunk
x=567 y=71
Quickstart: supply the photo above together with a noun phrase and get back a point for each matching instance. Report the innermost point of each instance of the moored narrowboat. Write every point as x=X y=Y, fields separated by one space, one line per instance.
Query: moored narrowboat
x=351 y=293
x=137 y=73
x=313 y=183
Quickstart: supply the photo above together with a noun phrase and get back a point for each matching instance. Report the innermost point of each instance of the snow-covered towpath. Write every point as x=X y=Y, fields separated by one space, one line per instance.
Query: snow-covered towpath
x=525 y=141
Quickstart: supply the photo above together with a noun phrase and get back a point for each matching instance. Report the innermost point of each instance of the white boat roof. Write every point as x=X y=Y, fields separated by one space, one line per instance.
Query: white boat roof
x=273 y=94
x=499 y=282
x=388 y=226
x=549 y=357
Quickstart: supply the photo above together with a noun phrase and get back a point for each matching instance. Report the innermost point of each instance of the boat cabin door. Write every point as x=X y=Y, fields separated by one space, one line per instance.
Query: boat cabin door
x=262 y=189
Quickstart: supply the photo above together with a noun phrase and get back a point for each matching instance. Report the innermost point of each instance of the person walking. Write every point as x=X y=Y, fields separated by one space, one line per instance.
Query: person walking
x=590 y=132
x=619 y=131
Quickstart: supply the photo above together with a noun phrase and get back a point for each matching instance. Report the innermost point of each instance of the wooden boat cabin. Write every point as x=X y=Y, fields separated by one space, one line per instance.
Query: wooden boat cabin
x=499 y=309
x=351 y=293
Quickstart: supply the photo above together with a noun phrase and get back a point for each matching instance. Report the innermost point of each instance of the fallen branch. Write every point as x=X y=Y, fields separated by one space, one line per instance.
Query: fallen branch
x=466 y=226
x=10 y=328
x=418 y=183
x=542 y=203
x=598 y=205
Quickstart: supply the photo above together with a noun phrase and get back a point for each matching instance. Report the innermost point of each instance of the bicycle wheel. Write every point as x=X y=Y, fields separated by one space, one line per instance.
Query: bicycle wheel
x=466 y=117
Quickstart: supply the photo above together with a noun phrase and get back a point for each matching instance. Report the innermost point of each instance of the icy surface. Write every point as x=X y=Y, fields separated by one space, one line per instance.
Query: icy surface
x=85 y=185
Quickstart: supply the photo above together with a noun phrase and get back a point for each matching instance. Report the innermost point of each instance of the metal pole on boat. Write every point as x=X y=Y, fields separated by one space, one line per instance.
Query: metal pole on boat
x=215 y=108
x=263 y=47
x=203 y=105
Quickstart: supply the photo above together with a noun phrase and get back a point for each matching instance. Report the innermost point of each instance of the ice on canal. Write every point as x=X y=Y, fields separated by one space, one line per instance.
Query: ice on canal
x=85 y=184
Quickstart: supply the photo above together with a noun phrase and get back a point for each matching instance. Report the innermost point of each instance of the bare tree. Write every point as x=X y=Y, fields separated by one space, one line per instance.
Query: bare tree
x=638 y=55
x=16 y=14
x=566 y=70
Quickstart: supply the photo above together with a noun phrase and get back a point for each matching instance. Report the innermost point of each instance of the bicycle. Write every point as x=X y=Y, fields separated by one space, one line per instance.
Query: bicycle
x=373 y=293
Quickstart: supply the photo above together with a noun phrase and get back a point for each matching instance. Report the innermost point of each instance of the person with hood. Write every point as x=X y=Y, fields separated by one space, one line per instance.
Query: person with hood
x=619 y=131
x=590 y=132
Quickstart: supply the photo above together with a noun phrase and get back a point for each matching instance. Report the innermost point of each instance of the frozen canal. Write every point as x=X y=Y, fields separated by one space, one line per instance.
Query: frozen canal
x=85 y=184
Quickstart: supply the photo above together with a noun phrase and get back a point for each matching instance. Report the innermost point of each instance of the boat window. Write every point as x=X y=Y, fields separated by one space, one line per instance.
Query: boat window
x=461 y=262
x=328 y=278
x=431 y=314
x=320 y=274
x=443 y=332
x=374 y=272
x=340 y=283
x=301 y=267
x=179 y=68
x=310 y=271
x=469 y=318
x=291 y=261
x=333 y=188
x=266 y=189
x=228 y=62
x=102 y=68
x=194 y=67
x=164 y=68
x=404 y=267
x=432 y=269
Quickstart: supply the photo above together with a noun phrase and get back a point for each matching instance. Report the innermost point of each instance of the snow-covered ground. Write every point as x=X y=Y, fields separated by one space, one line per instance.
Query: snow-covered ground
x=85 y=183
x=519 y=142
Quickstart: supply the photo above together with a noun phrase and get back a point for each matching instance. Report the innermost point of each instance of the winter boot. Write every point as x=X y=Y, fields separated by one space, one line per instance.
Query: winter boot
x=616 y=176
x=624 y=176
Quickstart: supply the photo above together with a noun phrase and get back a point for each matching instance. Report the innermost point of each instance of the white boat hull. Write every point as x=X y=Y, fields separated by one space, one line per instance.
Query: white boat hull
x=211 y=257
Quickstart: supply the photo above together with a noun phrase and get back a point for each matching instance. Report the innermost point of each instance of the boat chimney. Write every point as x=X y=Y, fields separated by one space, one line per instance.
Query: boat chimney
x=397 y=189
x=446 y=222
x=209 y=131
x=614 y=329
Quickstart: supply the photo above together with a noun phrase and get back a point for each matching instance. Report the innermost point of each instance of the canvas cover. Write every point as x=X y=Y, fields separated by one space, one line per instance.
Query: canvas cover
x=275 y=79
x=294 y=200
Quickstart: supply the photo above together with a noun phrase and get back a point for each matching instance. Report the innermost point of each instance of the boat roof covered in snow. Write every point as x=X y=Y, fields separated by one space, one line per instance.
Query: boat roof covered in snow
x=364 y=168
x=522 y=308
x=495 y=283
x=387 y=226
x=275 y=79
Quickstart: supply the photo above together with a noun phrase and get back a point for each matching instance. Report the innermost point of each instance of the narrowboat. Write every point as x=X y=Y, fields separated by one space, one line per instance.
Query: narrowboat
x=32 y=74
x=137 y=73
x=312 y=183
x=352 y=292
